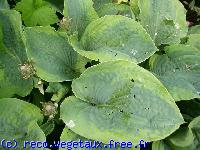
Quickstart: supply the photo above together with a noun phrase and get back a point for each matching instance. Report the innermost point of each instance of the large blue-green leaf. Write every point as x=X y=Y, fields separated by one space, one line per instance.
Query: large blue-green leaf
x=179 y=71
x=52 y=56
x=115 y=37
x=80 y=13
x=19 y=120
x=121 y=101
x=164 y=20
x=13 y=77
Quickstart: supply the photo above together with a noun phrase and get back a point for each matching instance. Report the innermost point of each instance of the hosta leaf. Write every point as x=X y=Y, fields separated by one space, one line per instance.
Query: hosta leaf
x=166 y=25
x=194 y=30
x=52 y=56
x=80 y=13
x=18 y=121
x=115 y=37
x=115 y=9
x=68 y=135
x=160 y=145
x=12 y=56
x=186 y=138
x=4 y=4
x=48 y=127
x=124 y=104
x=179 y=71
x=195 y=127
x=183 y=137
x=100 y=3
x=194 y=40
x=37 y=12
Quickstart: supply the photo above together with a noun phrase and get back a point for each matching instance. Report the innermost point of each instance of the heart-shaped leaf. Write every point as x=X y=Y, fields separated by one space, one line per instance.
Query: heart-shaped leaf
x=123 y=102
x=115 y=37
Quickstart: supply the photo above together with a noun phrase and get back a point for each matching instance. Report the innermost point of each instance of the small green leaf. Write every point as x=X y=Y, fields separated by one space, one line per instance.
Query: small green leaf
x=81 y=13
x=52 y=56
x=19 y=121
x=164 y=20
x=124 y=104
x=59 y=90
x=179 y=71
x=37 y=12
x=115 y=37
x=15 y=70
x=48 y=127
x=135 y=8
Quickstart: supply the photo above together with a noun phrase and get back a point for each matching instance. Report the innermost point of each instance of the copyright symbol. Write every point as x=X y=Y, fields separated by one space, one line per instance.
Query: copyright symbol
x=5 y=143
